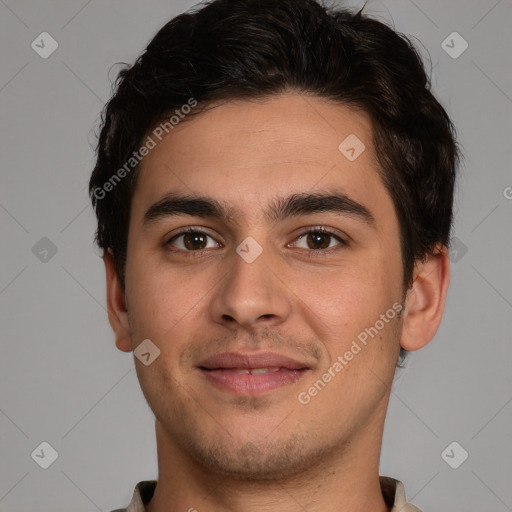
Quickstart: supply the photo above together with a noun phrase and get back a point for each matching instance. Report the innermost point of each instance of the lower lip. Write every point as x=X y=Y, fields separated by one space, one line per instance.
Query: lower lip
x=252 y=384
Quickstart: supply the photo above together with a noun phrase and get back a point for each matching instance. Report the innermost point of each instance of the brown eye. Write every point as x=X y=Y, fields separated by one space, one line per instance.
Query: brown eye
x=191 y=240
x=318 y=240
x=194 y=241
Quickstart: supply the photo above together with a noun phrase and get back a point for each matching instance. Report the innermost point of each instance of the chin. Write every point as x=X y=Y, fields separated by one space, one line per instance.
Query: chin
x=250 y=462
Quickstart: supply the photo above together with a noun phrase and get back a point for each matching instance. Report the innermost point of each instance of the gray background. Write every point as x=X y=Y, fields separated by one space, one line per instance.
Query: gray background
x=62 y=379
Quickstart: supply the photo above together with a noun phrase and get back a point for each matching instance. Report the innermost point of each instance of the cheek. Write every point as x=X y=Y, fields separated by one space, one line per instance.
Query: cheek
x=155 y=300
x=356 y=291
x=164 y=299
x=351 y=301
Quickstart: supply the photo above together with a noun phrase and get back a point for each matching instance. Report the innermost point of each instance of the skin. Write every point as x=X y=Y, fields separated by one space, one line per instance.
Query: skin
x=222 y=452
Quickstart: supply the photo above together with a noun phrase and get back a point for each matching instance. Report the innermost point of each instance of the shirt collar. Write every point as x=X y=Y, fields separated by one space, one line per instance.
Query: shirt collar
x=392 y=490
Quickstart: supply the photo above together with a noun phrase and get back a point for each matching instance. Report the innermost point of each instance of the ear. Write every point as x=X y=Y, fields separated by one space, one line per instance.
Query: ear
x=116 y=305
x=424 y=304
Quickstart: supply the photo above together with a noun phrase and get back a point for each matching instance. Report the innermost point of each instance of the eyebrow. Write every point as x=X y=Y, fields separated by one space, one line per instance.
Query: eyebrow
x=279 y=209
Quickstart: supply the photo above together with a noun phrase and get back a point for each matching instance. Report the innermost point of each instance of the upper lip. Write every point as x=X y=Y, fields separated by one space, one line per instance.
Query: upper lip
x=255 y=360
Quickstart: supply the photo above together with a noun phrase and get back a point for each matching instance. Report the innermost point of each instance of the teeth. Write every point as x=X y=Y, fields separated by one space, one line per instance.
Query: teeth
x=254 y=371
x=257 y=371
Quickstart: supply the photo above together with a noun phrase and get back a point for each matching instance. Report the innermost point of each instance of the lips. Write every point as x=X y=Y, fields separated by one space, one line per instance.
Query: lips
x=237 y=360
x=252 y=374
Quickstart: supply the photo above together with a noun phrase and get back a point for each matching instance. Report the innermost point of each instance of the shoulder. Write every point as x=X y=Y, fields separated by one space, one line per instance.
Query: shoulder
x=142 y=493
x=394 y=495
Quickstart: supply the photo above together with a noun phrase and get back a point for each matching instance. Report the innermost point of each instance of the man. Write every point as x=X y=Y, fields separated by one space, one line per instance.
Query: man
x=274 y=188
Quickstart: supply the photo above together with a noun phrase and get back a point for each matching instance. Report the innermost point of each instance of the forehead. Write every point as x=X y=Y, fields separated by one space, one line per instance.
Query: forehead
x=247 y=152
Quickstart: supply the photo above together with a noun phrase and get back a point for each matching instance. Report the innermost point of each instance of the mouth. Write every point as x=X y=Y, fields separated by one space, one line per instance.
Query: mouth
x=252 y=374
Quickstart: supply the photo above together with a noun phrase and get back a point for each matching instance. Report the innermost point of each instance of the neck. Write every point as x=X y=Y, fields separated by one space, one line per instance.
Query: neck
x=345 y=479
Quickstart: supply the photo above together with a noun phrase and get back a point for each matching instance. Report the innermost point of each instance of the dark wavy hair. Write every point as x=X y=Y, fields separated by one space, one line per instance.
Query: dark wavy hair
x=227 y=49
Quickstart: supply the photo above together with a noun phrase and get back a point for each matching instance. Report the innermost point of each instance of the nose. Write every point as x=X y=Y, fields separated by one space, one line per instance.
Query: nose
x=251 y=295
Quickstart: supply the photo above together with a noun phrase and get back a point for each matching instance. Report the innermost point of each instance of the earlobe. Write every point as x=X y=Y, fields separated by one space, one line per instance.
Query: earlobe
x=116 y=305
x=425 y=300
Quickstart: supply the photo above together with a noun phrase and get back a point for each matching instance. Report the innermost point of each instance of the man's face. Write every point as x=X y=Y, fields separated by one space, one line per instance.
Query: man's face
x=302 y=302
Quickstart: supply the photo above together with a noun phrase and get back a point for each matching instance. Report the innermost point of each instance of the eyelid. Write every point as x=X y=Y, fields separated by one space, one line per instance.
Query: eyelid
x=322 y=229
x=189 y=229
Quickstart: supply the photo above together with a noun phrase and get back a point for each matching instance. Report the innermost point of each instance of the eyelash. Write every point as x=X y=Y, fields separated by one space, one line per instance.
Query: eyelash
x=311 y=252
x=322 y=252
